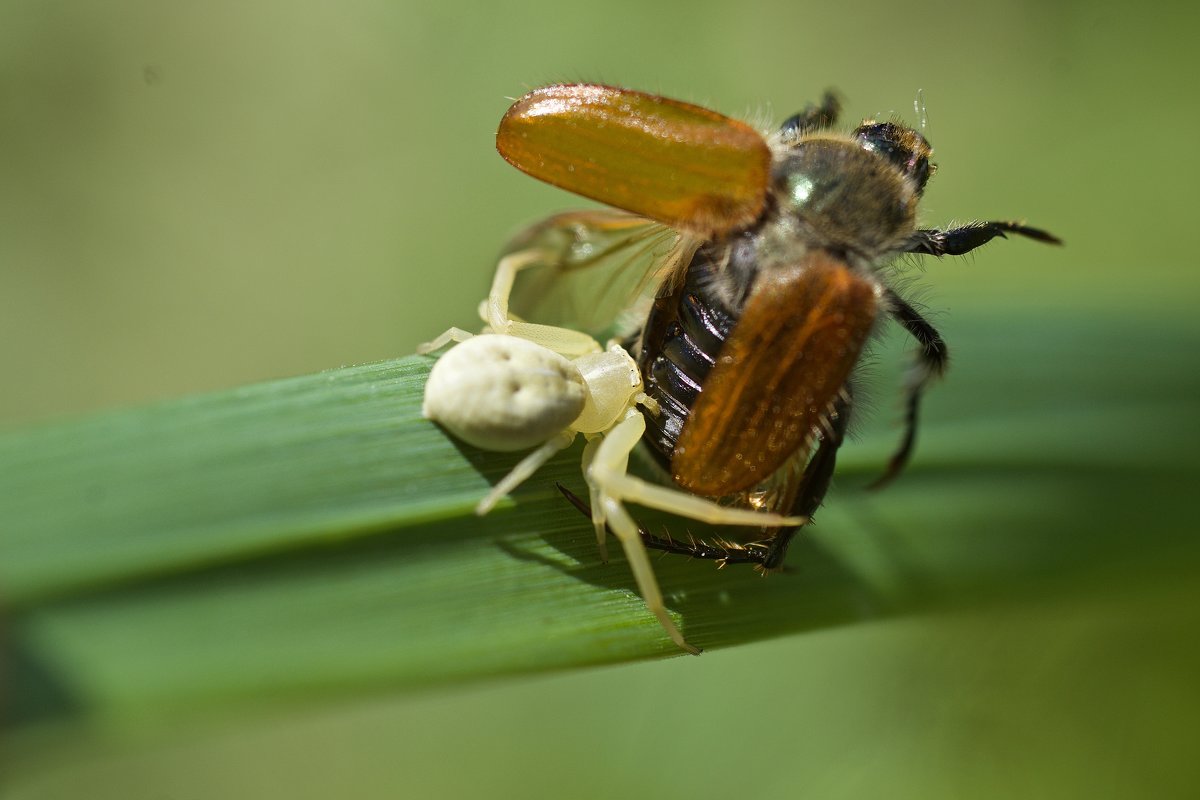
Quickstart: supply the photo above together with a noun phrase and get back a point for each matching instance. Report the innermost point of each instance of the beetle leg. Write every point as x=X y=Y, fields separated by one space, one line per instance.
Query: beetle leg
x=964 y=239
x=930 y=364
x=814 y=484
x=813 y=117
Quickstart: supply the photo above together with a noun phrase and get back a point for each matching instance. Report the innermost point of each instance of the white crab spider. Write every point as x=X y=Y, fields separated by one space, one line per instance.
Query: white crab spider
x=520 y=385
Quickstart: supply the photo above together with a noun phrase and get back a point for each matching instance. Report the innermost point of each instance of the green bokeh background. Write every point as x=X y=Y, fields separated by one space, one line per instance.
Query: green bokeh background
x=198 y=196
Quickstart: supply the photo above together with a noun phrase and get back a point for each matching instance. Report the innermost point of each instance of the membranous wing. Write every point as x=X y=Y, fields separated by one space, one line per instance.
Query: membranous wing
x=596 y=270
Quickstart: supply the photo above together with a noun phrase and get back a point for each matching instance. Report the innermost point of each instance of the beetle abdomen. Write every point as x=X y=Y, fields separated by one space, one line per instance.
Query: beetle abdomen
x=683 y=335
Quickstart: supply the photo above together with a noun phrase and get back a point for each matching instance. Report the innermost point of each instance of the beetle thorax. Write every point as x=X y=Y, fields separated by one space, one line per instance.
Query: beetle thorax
x=833 y=194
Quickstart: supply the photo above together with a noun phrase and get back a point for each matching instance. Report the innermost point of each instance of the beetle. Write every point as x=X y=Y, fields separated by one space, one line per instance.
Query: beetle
x=747 y=273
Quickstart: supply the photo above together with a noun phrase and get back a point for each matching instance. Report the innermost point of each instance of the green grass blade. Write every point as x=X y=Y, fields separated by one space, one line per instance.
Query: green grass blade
x=315 y=535
x=221 y=477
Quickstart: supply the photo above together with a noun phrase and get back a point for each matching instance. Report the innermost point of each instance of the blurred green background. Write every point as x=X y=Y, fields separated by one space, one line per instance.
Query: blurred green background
x=199 y=196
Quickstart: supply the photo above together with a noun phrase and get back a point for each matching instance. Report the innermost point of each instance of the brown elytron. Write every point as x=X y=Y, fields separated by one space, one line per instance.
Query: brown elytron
x=673 y=162
x=777 y=376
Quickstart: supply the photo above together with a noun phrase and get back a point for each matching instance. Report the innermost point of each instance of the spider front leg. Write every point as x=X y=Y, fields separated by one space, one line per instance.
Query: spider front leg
x=612 y=486
x=596 y=507
x=721 y=552
x=609 y=472
x=610 y=459
x=495 y=311
x=626 y=531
